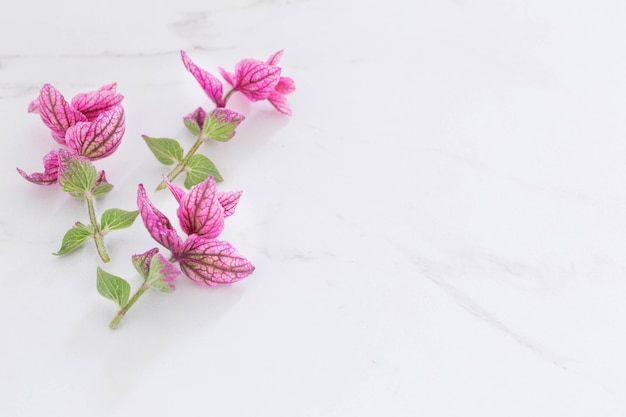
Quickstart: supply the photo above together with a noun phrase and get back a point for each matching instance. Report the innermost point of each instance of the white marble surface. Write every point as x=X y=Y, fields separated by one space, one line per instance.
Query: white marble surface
x=439 y=230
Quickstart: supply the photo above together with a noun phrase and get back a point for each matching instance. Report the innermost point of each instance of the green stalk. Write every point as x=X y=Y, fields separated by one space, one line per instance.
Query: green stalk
x=97 y=236
x=120 y=314
x=180 y=167
x=227 y=96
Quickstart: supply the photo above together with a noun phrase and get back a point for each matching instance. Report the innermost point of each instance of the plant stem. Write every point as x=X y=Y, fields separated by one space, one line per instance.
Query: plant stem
x=180 y=167
x=227 y=96
x=120 y=314
x=98 y=237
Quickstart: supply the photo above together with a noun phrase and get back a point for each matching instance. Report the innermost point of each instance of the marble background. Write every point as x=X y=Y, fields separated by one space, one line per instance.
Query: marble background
x=439 y=230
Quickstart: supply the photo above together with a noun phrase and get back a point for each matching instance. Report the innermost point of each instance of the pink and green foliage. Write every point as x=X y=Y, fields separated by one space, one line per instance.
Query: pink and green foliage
x=157 y=272
x=91 y=126
x=209 y=83
x=201 y=214
x=255 y=79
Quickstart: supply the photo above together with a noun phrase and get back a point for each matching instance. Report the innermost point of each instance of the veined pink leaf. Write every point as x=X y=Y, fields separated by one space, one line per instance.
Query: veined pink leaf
x=212 y=262
x=200 y=211
x=255 y=79
x=209 y=83
x=285 y=85
x=51 y=170
x=57 y=113
x=176 y=191
x=157 y=223
x=280 y=102
x=228 y=200
x=195 y=120
x=274 y=59
x=94 y=103
x=33 y=106
x=99 y=138
x=230 y=78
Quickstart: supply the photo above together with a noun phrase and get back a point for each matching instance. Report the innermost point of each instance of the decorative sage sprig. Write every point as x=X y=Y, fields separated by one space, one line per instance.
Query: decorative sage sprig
x=90 y=127
x=256 y=80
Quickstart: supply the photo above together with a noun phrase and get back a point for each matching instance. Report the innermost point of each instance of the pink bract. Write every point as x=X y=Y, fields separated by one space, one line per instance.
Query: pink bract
x=209 y=83
x=254 y=79
x=157 y=223
x=227 y=199
x=284 y=86
x=212 y=262
x=57 y=113
x=197 y=116
x=92 y=126
x=99 y=138
x=201 y=212
x=94 y=103
x=51 y=170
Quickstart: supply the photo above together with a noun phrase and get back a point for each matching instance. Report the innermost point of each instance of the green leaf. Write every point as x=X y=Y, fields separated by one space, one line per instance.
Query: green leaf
x=198 y=168
x=220 y=124
x=192 y=126
x=167 y=151
x=102 y=190
x=114 y=219
x=75 y=238
x=77 y=175
x=113 y=287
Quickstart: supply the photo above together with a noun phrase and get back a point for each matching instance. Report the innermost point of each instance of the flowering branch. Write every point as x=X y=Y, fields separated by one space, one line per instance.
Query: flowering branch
x=256 y=80
x=91 y=126
x=157 y=272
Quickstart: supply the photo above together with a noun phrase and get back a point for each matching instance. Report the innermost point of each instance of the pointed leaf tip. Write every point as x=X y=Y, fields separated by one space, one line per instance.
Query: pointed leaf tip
x=74 y=239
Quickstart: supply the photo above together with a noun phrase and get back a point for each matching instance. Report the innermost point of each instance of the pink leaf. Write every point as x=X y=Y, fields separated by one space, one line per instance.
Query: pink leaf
x=51 y=170
x=33 y=106
x=255 y=79
x=274 y=59
x=157 y=223
x=212 y=262
x=195 y=120
x=200 y=211
x=279 y=101
x=176 y=191
x=228 y=200
x=57 y=113
x=230 y=78
x=94 y=103
x=285 y=85
x=209 y=83
x=99 y=138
